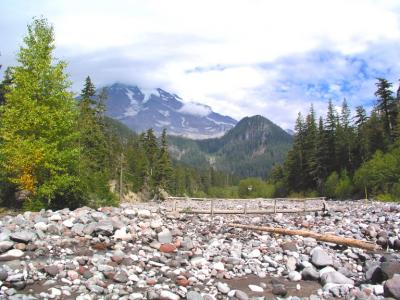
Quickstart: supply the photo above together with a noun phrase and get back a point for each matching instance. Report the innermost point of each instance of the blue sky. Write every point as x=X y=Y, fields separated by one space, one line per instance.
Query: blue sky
x=240 y=57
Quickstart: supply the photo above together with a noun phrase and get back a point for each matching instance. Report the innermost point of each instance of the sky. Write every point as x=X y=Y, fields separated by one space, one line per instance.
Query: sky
x=241 y=57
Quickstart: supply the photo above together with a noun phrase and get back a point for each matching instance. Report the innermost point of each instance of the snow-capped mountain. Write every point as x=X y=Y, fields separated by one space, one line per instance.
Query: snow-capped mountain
x=158 y=109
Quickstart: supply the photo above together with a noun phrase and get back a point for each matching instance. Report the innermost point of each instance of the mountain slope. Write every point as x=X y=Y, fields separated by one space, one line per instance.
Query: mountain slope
x=251 y=148
x=158 y=109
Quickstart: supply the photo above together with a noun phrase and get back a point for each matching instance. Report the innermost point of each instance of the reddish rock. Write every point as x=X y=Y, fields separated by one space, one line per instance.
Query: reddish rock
x=20 y=246
x=117 y=258
x=151 y=282
x=182 y=281
x=167 y=248
x=177 y=243
x=100 y=246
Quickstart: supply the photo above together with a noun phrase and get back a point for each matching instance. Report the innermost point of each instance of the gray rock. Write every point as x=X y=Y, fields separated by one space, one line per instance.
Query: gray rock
x=5 y=246
x=23 y=236
x=3 y=274
x=320 y=258
x=78 y=228
x=104 y=227
x=96 y=289
x=310 y=274
x=121 y=277
x=291 y=263
x=392 y=287
x=165 y=237
x=279 y=290
x=192 y=295
x=241 y=295
x=335 y=277
x=223 y=288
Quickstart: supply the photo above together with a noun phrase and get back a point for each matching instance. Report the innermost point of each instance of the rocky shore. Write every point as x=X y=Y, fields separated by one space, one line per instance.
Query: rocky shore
x=145 y=251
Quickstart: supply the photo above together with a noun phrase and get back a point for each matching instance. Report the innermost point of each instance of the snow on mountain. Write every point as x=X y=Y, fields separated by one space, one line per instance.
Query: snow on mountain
x=158 y=109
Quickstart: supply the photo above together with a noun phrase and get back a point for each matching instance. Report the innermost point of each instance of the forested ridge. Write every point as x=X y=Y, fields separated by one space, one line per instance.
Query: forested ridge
x=346 y=154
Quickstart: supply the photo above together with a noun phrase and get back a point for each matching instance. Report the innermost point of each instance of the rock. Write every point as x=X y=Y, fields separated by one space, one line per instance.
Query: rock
x=167 y=295
x=289 y=246
x=121 y=234
x=41 y=226
x=255 y=253
x=23 y=236
x=310 y=273
x=78 y=228
x=3 y=274
x=335 y=277
x=241 y=295
x=291 y=263
x=165 y=237
x=182 y=281
x=51 y=270
x=104 y=227
x=192 y=295
x=55 y=217
x=392 y=287
x=94 y=288
x=279 y=290
x=68 y=223
x=143 y=213
x=223 y=288
x=5 y=245
x=156 y=224
x=198 y=261
x=219 y=266
x=12 y=255
x=320 y=258
x=167 y=248
x=256 y=288
x=121 y=277
x=389 y=268
x=396 y=244
x=294 y=276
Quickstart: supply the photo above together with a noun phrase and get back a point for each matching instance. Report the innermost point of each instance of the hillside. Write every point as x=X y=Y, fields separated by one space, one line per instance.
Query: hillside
x=251 y=148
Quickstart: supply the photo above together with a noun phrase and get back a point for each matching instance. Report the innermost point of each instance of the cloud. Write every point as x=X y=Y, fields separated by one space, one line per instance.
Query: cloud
x=240 y=57
x=195 y=109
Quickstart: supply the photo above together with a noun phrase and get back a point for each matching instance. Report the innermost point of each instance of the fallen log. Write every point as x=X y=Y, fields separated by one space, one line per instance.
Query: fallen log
x=330 y=238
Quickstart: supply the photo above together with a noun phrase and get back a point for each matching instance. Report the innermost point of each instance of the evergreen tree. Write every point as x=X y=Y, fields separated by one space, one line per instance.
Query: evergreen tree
x=164 y=167
x=5 y=85
x=385 y=104
x=330 y=137
x=38 y=137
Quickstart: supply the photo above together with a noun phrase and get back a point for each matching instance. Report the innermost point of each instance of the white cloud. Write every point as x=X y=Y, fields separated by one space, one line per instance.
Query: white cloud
x=195 y=109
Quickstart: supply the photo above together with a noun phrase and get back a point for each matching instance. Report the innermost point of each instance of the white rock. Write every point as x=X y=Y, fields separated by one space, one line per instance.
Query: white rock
x=256 y=288
x=219 y=266
x=122 y=234
x=223 y=288
x=255 y=253
x=135 y=296
x=68 y=223
x=41 y=226
x=13 y=253
x=198 y=261
x=55 y=217
x=294 y=276
x=169 y=295
x=142 y=213
x=156 y=224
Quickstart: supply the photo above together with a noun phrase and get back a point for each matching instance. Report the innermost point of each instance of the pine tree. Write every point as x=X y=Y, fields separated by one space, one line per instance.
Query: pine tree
x=5 y=85
x=331 y=123
x=385 y=104
x=163 y=168
x=93 y=162
x=38 y=149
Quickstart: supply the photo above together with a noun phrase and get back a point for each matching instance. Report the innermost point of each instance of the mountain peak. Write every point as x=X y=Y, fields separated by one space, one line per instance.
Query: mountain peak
x=158 y=109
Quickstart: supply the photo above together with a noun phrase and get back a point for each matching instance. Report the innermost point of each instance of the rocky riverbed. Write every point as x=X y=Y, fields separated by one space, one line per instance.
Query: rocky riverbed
x=145 y=251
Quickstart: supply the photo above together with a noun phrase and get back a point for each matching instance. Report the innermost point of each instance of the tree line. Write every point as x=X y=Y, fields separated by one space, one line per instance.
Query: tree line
x=57 y=151
x=341 y=156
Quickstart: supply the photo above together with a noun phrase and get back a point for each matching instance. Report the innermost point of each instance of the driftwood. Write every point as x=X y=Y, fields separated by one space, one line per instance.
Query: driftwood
x=320 y=237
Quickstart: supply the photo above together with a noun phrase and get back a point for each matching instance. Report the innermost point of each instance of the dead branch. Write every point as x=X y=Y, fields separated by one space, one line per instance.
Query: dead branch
x=306 y=233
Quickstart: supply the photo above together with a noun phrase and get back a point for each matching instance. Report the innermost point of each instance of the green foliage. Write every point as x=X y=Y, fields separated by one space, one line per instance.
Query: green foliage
x=229 y=192
x=255 y=188
x=38 y=141
x=330 y=184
